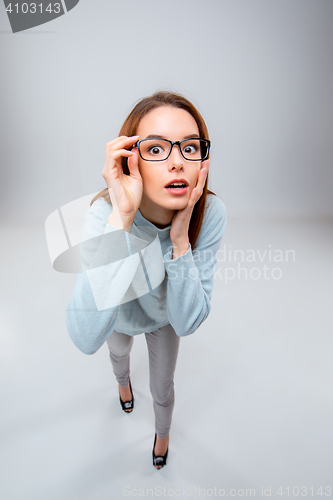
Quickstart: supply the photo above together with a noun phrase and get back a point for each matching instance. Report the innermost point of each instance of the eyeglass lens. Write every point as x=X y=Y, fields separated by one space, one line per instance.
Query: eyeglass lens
x=159 y=149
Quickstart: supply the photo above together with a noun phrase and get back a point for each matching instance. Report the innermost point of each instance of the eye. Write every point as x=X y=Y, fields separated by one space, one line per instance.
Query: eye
x=155 y=150
x=190 y=148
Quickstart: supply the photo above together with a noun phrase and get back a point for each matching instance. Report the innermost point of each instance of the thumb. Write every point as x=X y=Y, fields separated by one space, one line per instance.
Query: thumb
x=133 y=164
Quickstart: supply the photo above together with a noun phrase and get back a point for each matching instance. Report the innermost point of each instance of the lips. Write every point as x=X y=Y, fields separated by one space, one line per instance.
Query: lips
x=177 y=183
x=177 y=187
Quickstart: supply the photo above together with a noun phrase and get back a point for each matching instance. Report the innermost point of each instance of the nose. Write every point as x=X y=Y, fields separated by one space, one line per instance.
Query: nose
x=175 y=159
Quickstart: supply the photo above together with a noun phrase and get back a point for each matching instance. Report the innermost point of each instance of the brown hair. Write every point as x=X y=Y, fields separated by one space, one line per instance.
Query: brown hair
x=129 y=129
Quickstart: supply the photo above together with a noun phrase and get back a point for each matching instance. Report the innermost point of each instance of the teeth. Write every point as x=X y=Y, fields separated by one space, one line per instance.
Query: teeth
x=177 y=184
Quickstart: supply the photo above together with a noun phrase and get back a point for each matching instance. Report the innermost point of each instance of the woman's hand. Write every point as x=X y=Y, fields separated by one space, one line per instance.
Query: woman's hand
x=125 y=190
x=181 y=220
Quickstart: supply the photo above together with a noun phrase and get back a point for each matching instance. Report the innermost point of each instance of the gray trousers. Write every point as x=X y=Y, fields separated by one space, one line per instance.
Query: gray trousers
x=163 y=346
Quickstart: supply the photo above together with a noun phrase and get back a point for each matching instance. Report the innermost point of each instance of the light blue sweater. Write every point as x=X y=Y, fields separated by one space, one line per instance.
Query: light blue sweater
x=131 y=284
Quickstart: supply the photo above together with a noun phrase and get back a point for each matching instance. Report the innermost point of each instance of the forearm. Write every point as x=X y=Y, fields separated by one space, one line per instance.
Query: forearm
x=188 y=301
x=180 y=247
x=187 y=314
x=110 y=263
x=88 y=327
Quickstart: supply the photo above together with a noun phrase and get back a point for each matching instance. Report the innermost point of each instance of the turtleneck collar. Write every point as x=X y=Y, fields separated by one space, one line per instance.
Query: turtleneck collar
x=141 y=221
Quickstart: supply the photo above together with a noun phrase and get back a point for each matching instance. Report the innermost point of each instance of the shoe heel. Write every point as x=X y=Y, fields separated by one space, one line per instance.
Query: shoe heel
x=127 y=406
x=159 y=460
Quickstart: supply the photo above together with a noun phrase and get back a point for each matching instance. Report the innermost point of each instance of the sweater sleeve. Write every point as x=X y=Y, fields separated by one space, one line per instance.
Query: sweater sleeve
x=110 y=261
x=191 y=276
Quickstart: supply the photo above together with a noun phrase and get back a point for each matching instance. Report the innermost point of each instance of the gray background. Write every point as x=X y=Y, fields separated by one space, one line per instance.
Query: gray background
x=254 y=383
x=259 y=71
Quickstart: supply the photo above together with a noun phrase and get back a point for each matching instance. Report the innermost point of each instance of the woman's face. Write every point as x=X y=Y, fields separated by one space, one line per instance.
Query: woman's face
x=159 y=203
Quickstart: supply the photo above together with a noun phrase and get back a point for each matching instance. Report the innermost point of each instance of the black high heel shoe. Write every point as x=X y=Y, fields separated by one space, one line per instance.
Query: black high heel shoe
x=159 y=460
x=127 y=406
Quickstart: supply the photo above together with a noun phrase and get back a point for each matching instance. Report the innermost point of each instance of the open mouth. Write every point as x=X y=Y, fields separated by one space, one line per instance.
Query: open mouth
x=177 y=187
x=177 y=184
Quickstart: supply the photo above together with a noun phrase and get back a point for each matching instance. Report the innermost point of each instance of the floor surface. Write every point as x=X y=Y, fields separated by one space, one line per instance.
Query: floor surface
x=254 y=400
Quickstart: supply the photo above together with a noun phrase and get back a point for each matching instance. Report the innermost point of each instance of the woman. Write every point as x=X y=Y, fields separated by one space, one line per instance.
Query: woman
x=156 y=174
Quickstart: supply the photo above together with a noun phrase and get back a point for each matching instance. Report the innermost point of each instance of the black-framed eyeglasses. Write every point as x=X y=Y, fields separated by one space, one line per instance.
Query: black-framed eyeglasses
x=160 y=149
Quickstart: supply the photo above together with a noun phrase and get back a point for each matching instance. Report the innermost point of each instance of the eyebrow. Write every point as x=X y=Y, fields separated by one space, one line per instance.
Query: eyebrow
x=156 y=136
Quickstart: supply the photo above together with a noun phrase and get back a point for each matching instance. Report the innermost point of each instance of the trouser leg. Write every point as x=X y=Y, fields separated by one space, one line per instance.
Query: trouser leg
x=163 y=346
x=120 y=346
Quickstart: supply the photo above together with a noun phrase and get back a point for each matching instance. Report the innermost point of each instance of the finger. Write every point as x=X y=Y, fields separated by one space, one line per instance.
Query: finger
x=204 y=173
x=133 y=164
x=198 y=189
x=123 y=138
x=205 y=164
x=122 y=141
x=116 y=148
x=119 y=148
x=194 y=196
x=190 y=204
x=201 y=180
x=115 y=155
x=204 y=169
x=121 y=152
